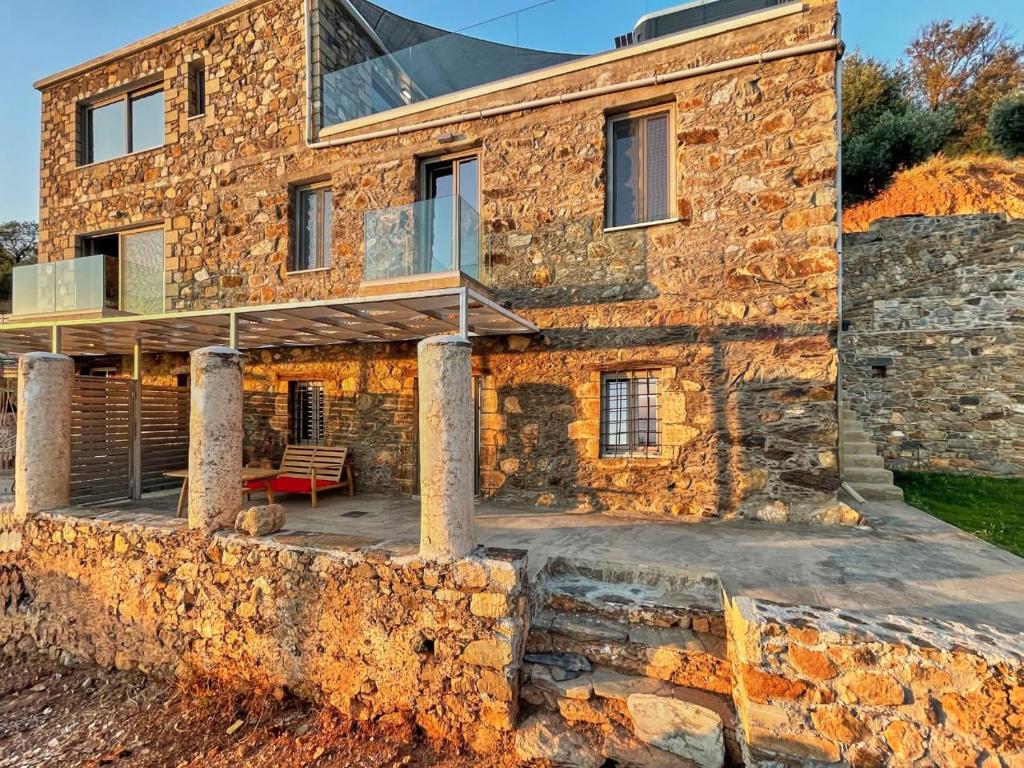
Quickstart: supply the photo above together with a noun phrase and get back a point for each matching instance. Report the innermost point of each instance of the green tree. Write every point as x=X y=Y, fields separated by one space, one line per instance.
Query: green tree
x=883 y=129
x=967 y=68
x=1006 y=126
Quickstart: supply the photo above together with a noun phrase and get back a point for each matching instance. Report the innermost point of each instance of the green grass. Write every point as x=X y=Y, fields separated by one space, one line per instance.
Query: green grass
x=991 y=508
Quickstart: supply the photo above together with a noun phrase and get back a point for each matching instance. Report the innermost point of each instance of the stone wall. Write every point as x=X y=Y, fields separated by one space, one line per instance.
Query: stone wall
x=733 y=302
x=368 y=631
x=824 y=686
x=932 y=359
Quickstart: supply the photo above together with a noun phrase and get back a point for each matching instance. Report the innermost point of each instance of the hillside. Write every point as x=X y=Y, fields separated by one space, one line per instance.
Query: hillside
x=940 y=186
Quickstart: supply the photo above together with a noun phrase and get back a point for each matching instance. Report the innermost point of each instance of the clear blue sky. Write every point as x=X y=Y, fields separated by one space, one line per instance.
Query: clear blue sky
x=43 y=36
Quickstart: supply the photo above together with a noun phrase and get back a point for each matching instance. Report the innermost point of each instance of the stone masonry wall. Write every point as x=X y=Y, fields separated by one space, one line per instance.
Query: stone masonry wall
x=368 y=631
x=733 y=301
x=816 y=686
x=932 y=358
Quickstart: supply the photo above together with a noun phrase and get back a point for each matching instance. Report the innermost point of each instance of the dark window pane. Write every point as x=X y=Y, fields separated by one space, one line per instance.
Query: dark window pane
x=147 y=121
x=105 y=132
x=657 y=167
x=197 y=90
x=625 y=173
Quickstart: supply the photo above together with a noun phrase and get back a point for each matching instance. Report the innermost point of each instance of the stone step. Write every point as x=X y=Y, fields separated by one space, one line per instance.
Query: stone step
x=676 y=654
x=635 y=708
x=858 y=445
x=864 y=460
x=866 y=475
x=879 y=491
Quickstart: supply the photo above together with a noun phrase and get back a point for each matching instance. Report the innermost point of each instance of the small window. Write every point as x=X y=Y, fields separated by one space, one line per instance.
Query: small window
x=196 y=89
x=879 y=371
x=630 y=415
x=132 y=122
x=639 y=168
x=306 y=412
x=312 y=241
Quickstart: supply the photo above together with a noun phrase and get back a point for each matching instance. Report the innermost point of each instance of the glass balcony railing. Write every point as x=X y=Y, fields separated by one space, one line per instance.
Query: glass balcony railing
x=424 y=62
x=427 y=237
x=88 y=284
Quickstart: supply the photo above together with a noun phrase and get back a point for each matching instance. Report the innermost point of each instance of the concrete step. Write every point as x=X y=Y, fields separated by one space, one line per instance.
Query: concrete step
x=879 y=491
x=859 y=446
x=868 y=475
x=601 y=697
x=863 y=460
x=674 y=654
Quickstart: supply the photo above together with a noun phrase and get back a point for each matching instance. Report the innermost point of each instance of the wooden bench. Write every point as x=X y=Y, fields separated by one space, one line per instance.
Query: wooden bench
x=311 y=469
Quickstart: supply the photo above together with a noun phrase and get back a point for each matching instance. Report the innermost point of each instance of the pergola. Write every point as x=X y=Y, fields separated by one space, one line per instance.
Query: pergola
x=388 y=318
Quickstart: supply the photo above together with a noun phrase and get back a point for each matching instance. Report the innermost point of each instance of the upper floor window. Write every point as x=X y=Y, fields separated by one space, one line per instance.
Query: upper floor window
x=630 y=416
x=196 y=88
x=312 y=241
x=131 y=122
x=639 y=167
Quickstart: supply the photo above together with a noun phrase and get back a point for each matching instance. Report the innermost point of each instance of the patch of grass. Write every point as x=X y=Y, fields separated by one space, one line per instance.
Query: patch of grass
x=991 y=508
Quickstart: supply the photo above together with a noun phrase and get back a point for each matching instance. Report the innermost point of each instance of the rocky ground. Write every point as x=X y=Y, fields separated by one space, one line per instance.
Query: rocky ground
x=57 y=715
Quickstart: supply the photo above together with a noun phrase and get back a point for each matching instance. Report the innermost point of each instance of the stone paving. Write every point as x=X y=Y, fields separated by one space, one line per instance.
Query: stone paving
x=906 y=563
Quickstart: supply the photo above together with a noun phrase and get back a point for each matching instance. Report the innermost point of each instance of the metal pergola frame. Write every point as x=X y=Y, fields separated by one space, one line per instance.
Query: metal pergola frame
x=387 y=318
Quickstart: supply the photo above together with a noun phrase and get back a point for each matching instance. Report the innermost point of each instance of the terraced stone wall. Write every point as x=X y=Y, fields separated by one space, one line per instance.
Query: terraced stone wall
x=368 y=631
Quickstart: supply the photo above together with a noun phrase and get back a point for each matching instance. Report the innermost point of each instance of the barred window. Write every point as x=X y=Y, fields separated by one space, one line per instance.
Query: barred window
x=306 y=412
x=630 y=416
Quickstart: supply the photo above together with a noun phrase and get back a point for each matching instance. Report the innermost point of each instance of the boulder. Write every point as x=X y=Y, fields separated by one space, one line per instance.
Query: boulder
x=260 y=521
x=680 y=727
x=545 y=738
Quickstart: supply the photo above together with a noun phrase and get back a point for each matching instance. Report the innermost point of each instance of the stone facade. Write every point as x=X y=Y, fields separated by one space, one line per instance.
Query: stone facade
x=368 y=631
x=932 y=357
x=733 y=302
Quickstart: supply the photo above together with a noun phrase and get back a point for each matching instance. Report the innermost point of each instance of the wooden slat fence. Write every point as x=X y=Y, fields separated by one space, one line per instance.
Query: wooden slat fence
x=164 y=434
x=100 y=439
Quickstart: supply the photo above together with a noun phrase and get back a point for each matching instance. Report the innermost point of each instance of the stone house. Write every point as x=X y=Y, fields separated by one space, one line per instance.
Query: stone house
x=655 y=224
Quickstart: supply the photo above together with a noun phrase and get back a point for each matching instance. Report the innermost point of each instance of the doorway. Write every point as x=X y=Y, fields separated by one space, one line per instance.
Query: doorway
x=450 y=218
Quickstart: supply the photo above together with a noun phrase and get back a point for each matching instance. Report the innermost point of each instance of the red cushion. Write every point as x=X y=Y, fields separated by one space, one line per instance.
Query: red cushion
x=287 y=484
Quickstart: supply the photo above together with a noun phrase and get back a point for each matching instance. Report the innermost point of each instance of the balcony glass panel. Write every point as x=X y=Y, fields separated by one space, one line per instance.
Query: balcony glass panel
x=423 y=238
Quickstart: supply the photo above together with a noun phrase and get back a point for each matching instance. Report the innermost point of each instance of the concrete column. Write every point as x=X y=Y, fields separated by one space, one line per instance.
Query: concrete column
x=42 y=466
x=446 y=448
x=215 y=439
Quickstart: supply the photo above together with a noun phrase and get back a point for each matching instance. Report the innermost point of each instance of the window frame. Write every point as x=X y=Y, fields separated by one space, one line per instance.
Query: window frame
x=635 y=447
x=197 y=89
x=324 y=257
x=671 y=148
x=453 y=159
x=127 y=97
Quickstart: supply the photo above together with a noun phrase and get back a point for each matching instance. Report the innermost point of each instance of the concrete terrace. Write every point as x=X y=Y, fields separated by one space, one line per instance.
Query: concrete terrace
x=908 y=563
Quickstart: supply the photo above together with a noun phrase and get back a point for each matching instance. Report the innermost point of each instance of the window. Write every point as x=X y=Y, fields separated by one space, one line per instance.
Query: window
x=312 y=241
x=306 y=412
x=630 y=417
x=131 y=122
x=196 y=89
x=450 y=208
x=639 y=168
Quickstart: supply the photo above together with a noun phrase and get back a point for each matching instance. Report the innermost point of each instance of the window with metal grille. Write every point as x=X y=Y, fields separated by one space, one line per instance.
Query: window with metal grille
x=630 y=416
x=306 y=412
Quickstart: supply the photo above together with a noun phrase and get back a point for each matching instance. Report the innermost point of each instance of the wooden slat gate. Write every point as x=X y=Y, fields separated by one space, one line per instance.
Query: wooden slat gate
x=163 y=435
x=101 y=437
x=124 y=436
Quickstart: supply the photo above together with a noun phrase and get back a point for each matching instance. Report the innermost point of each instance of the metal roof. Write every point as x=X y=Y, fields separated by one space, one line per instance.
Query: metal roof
x=397 y=317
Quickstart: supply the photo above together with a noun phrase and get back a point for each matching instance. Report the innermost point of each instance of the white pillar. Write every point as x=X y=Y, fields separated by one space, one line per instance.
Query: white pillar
x=215 y=439
x=446 y=448
x=42 y=467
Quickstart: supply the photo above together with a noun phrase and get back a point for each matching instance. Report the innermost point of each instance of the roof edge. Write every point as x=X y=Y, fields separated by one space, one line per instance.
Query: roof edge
x=217 y=14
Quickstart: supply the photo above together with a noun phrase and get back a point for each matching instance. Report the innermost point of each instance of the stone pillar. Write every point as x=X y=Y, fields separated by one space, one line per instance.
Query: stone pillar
x=215 y=439
x=446 y=448
x=42 y=465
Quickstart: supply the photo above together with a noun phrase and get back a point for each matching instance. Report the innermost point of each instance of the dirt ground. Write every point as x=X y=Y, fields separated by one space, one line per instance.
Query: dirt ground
x=55 y=715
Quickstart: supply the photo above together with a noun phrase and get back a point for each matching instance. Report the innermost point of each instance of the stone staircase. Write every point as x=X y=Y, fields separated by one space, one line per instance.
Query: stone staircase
x=862 y=467
x=632 y=665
